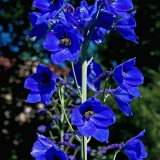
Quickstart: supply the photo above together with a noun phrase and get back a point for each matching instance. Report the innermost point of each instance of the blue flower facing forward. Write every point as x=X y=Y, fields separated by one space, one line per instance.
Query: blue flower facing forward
x=134 y=148
x=128 y=77
x=93 y=119
x=45 y=149
x=42 y=85
x=64 y=43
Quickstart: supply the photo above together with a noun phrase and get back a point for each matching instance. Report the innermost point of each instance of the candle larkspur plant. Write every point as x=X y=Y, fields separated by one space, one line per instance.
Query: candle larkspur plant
x=67 y=33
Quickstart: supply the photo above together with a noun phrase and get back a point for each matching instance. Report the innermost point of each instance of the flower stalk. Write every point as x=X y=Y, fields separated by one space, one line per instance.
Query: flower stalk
x=84 y=95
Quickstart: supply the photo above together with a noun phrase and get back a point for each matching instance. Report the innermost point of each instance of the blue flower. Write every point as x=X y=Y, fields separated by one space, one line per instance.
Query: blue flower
x=122 y=98
x=134 y=148
x=42 y=85
x=64 y=43
x=125 y=26
x=45 y=149
x=41 y=21
x=128 y=77
x=93 y=70
x=93 y=119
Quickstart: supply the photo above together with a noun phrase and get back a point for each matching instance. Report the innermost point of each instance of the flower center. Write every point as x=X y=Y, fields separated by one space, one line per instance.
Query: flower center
x=55 y=157
x=88 y=114
x=46 y=79
x=65 y=41
x=124 y=74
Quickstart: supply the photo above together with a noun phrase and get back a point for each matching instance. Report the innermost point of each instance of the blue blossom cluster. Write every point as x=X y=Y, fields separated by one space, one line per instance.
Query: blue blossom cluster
x=66 y=30
x=66 y=27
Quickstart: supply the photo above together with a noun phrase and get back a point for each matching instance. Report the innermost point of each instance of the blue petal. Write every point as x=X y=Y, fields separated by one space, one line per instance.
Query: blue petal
x=118 y=74
x=52 y=41
x=60 y=56
x=33 y=97
x=93 y=71
x=134 y=77
x=76 y=40
x=104 y=118
x=135 y=151
x=139 y=137
x=41 y=68
x=124 y=106
x=133 y=90
x=123 y=5
x=33 y=17
x=77 y=118
x=46 y=97
x=32 y=82
x=93 y=9
x=38 y=149
x=101 y=134
x=129 y=64
x=122 y=95
x=84 y=3
x=41 y=4
x=87 y=129
x=127 y=21
x=42 y=18
x=38 y=31
x=44 y=141
x=127 y=33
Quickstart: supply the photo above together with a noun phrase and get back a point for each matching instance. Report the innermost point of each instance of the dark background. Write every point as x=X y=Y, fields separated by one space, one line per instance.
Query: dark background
x=18 y=59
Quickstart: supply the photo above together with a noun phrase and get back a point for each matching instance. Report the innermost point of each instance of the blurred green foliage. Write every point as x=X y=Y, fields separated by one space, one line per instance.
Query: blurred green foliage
x=18 y=136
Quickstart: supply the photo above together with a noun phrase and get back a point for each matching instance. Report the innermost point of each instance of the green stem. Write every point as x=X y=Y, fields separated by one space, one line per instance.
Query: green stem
x=57 y=126
x=84 y=96
x=65 y=115
x=75 y=79
x=116 y=154
x=62 y=115
x=51 y=135
x=84 y=77
x=105 y=85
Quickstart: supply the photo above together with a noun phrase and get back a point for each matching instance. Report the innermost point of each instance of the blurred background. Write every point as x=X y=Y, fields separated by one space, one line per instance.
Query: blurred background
x=19 y=58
